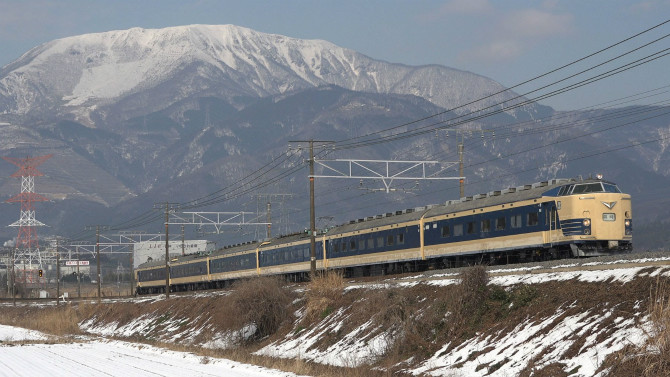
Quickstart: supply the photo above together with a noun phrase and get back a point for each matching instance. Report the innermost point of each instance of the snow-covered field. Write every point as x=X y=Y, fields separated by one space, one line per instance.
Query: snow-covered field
x=27 y=354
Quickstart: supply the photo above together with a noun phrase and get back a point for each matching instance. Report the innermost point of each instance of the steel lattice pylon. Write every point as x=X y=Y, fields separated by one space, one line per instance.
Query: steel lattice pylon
x=26 y=243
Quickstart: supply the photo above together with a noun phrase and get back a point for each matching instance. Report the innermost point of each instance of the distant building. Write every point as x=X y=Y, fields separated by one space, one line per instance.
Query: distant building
x=155 y=250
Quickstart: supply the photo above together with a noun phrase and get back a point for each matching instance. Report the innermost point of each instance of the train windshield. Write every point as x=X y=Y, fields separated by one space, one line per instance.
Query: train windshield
x=586 y=188
x=611 y=188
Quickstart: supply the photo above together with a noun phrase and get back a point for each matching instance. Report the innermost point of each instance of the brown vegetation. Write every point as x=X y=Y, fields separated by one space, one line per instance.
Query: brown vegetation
x=653 y=358
x=262 y=303
x=323 y=292
x=58 y=321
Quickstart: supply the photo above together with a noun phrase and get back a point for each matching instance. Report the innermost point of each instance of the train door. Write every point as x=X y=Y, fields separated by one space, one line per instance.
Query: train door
x=552 y=213
x=551 y=223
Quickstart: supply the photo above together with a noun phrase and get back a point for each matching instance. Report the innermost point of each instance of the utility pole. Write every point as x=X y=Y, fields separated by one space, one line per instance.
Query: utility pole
x=13 y=276
x=132 y=271
x=78 y=277
x=460 y=167
x=461 y=149
x=97 y=257
x=168 y=208
x=167 y=251
x=57 y=274
x=312 y=217
x=269 y=198
x=98 y=228
x=183 y=241
x=269 y=220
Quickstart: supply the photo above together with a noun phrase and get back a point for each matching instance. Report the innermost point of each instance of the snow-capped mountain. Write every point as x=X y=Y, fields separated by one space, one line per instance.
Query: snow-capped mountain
x=100 y=78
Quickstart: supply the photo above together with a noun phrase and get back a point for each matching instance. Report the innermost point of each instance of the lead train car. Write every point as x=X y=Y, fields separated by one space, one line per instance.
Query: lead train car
x=558 y=218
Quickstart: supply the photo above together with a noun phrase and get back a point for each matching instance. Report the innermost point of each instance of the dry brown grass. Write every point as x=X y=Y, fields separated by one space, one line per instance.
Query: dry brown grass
x=263 y=302
x=323 y=292
x=653 y=358
x=59 y=321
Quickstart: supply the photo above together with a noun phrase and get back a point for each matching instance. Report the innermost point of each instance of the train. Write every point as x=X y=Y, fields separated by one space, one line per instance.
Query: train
x=559 y=218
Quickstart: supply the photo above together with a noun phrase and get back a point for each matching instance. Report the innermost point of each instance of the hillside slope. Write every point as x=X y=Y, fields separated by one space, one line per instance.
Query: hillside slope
x=580 y=318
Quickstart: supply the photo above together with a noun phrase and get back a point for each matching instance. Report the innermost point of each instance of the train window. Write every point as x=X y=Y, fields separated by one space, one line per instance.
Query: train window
x=401 y=239
x=500 y=223
x=532 y=219
x=352 y=245
x=587 y=188
x=336 y=247
x=486 y=225
x=371 y=243
x=344 y=246
x=445 y=231
x=611 y=188
x=380 y=241
x=471 y=227
x=306 y=253
x=564 y=190
x=389 y=239
x=515 y=221
x=361 y=245
x=458 y=230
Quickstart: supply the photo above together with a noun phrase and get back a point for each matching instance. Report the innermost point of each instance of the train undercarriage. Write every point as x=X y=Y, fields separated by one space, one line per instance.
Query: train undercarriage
x=536 y=254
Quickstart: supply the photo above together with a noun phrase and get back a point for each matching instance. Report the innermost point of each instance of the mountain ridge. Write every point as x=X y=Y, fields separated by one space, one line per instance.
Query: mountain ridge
x=78 y=74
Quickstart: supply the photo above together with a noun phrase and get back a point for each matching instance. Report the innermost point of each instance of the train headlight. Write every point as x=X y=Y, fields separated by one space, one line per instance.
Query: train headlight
x=587 y=231
x=587 y=222
x=626 y=223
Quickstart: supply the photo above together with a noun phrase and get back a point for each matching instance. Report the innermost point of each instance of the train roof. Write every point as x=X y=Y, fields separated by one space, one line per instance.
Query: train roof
x=232 y=249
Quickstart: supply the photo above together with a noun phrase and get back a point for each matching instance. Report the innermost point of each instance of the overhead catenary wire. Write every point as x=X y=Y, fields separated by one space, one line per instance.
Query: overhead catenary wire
x=441 y=125
x=519 y=84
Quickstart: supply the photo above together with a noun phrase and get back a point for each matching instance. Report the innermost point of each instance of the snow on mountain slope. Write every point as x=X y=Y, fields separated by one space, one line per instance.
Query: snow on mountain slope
x=81 y=75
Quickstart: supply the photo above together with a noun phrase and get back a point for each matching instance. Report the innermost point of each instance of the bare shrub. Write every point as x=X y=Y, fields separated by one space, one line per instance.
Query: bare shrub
x=410 y=324
x=322 y=293
x=470 y=296
x=262 y=302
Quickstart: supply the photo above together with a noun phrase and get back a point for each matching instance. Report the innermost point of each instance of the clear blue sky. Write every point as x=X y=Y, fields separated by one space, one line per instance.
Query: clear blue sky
x=509 y=41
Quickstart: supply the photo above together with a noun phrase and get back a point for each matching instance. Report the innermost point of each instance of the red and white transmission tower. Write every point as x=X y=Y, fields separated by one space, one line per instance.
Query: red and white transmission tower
x=26 y=243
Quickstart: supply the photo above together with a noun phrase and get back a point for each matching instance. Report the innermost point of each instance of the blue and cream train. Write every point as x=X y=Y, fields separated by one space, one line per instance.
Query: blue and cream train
x=552 y=219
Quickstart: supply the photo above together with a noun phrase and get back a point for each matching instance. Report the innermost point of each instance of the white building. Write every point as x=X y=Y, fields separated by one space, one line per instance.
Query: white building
x=155 y=250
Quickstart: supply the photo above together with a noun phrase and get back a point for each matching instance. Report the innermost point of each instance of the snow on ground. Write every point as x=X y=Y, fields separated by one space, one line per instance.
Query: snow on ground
x=110 y=358
x=17 y=334
x=514 y=350
x=354 y=349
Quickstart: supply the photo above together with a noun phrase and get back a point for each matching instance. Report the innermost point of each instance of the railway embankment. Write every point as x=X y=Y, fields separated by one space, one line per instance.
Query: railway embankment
x=605 y=317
